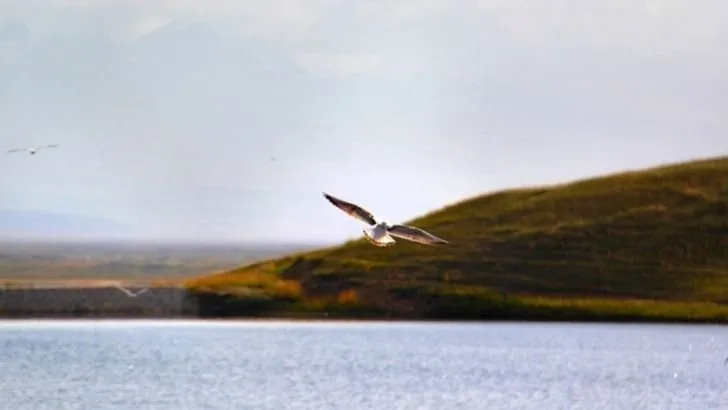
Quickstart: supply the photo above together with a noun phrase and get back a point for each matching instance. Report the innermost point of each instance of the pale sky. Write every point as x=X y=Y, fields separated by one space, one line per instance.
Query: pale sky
x=169 y=112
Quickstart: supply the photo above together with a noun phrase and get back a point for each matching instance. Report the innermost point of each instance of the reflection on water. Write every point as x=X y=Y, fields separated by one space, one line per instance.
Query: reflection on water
x=335 y=365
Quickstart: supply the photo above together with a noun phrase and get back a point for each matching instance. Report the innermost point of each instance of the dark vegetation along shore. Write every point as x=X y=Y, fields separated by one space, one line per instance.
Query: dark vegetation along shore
x=648 y=245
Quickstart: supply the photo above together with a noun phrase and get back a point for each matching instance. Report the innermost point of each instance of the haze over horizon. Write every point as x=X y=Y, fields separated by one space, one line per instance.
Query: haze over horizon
x=225 y=120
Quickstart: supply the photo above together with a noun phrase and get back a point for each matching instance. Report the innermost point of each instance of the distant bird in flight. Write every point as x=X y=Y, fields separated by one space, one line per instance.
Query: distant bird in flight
x=33 y=150
x=129 y=292
x=380 y=231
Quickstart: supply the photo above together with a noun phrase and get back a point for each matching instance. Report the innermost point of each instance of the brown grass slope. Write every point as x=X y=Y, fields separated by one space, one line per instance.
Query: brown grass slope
x=659 y=233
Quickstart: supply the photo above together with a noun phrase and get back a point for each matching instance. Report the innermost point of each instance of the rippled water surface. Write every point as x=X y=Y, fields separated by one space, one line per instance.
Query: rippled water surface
x=344 y=365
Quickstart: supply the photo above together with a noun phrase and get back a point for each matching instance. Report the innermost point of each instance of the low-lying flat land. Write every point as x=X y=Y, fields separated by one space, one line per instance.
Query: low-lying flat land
x=11 y=283
x=45 y=261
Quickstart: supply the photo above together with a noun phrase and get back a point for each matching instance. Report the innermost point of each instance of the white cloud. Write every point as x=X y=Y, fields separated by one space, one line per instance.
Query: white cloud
x=342 y=64
x=144 y=25
x=250 y=17
x=650 y=24
x=655 y=26
x=406 y=9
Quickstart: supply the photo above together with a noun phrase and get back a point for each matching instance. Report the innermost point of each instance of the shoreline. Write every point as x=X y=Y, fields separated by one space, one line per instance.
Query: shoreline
x=173 y=303
x=318 y=318
x=341 y=320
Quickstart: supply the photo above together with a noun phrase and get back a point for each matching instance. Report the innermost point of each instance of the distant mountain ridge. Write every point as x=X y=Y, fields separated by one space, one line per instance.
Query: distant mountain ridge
x=44 y=224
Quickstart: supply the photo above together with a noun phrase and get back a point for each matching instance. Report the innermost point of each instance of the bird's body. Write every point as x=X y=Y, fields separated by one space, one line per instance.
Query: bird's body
x=380 y=233
x=32 y=150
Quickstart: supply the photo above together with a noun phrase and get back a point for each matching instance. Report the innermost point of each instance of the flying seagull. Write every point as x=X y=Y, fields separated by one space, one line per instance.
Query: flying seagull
x=32 y=150
x=129 y=292
x=380 y=233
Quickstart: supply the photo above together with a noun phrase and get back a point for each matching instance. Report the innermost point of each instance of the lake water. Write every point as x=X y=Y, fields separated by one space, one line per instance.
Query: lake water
x=362 y=365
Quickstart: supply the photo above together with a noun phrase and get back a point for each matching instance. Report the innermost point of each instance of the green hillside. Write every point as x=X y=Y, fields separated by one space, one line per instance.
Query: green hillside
x=649 y=243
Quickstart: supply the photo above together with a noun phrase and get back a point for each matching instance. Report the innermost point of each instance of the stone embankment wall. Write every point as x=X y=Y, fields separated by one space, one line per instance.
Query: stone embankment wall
x=96 y=302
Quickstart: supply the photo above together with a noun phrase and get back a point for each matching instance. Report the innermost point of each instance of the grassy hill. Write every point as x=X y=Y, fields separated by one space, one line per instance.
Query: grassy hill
x=635 y=245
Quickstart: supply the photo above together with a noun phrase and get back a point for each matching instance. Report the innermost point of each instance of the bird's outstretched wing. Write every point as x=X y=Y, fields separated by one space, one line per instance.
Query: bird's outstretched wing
x=352 y=210
x=48 y=146
x=129 y=292
x=415 y=235
x=14 y=150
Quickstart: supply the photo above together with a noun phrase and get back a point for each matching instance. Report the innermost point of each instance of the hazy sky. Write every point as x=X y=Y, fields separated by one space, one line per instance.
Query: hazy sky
x=168 y=112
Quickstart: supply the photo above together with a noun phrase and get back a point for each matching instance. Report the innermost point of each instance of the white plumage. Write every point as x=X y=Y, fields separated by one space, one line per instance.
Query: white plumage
x=129 y=292
x=380 y=233
x=32 y=150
